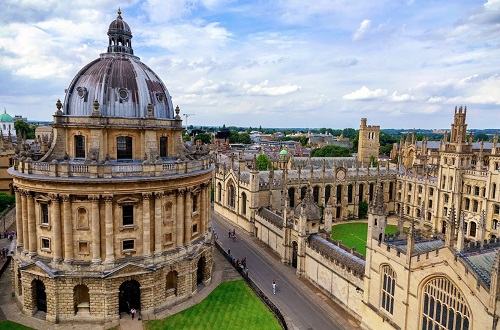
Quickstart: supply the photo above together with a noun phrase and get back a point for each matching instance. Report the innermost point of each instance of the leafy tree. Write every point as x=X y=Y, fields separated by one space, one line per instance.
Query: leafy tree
x=6 y=200
x=481 y=137
x=245 y=138
x=349 y=133
x=355 y=143
x=386 y=150
x=263 y=162
x=331 y=151
x=204 y=137
x=24 y=128
x=363 y=209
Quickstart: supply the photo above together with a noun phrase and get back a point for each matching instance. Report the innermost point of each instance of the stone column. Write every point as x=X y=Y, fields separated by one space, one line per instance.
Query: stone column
x=188 y=211
x=56 y=227
x=108 y=212
x=179 y=219
x=146 y=226
x=68 y=229
x=203 y=209
x=158 y=223
x=96 y=232
x=24 y=220
x=32 y=250
x=19 y=217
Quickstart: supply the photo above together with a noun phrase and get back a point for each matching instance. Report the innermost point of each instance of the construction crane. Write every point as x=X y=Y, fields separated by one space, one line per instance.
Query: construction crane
x=187 y=115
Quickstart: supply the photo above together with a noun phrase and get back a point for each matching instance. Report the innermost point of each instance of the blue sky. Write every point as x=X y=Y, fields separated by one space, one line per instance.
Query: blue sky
x=322 y=63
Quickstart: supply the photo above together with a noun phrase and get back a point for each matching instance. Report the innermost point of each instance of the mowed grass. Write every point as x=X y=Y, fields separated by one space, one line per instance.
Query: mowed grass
x=232 y=305
x=354 y=234
x=12 y=326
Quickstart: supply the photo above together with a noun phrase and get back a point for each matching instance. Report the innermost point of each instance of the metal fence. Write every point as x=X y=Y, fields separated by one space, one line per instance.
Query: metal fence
x=275 y=310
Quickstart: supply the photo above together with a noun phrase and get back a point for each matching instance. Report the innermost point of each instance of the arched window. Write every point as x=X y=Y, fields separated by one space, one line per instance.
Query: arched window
x=495 y=224
x=472 y=229
x=303 y=191
x=219 y=192
x=391 y=191
x=429 y=216
x=83 y=219
x=316 y=194
x=243 y=203
x=418 y=213
x=231 y=196
x=79 y=146
x=124 y=147
x=493 y=190
x=444 y=306
x=388 y=288
x=328 y=192
x=171 y=283
x=349 y=194
x=361 y=192
x=291 y=196
x=372 y=190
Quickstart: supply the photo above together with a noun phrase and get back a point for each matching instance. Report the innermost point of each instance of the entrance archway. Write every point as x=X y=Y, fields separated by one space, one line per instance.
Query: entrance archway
x=295 y=250
x=199 y=271
x=130 y=296
x=41 y=296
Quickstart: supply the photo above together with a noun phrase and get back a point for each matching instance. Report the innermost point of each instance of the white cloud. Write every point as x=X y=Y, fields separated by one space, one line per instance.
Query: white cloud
x=364 y=94
x=401 y=98
x=362 y=30
x=264 y=89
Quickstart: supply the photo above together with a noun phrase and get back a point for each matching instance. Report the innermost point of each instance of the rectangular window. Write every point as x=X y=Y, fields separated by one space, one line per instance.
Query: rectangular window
x=168 y=238
x=195 y=229
x=128 y=244
x=475 y=207
x=128 y=215
x=45 y=213
x=431 y=191
x=446 y=198
x=430 y=203
x=45 y=244
x=496 y=209
x=195 y=203
x=467 y=204
x=124 y=147
x=163 y=146
x=79 y=146
x=83 y=248
x=476 y=191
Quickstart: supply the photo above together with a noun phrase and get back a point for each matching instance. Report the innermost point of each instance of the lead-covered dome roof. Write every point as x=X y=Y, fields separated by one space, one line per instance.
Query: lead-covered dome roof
x=119 y=81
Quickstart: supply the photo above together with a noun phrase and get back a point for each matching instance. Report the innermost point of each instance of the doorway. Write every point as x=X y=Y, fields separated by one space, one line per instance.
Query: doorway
x=41 y=296
x=130 y=296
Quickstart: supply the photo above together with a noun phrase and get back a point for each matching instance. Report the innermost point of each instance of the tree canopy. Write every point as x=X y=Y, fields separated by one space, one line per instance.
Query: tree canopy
x=263 y=162
x=331 y=151
x=24 y=128
x=204 y=137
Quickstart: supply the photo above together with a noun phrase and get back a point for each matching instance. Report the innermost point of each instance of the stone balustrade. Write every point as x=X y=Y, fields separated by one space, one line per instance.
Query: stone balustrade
x=112 y=169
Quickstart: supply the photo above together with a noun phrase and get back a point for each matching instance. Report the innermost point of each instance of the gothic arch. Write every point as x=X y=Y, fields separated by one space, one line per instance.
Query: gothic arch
x=443 y=304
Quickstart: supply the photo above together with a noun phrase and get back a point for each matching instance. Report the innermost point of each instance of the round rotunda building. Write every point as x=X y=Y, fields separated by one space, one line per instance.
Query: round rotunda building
x=115 y=214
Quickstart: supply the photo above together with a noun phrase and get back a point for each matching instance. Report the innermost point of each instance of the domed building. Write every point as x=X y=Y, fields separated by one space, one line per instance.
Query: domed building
x=7 y=124
x=115 y=215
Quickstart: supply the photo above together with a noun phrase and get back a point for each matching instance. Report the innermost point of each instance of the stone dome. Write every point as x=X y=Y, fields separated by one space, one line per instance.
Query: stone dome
x=119 y=81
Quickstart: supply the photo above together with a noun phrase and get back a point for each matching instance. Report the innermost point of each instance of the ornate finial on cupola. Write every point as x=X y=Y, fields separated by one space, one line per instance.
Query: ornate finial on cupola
x=59 y=106
x=119 y=12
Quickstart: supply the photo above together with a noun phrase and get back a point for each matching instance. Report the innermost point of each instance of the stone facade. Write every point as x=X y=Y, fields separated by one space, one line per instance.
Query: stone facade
x=442 y=273
x=368 y=143
x=115 y=214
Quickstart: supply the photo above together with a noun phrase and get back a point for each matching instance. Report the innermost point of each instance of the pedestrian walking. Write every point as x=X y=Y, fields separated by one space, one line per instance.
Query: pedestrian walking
x=274 y=287
x=229 y=233
x=132 y=312
x=228 y=252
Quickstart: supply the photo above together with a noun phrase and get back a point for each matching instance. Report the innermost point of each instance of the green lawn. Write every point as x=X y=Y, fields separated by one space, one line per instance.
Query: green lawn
x=12 y=326
x=354 y=234
x=232 y=305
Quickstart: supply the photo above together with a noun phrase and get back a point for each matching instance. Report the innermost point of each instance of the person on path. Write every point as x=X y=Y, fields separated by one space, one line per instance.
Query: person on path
x=229 y=233
x=274 y=287
x=132 y=312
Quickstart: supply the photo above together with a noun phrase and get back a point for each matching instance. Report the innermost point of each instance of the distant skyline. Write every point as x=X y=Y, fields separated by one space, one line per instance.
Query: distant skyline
x=283 y=63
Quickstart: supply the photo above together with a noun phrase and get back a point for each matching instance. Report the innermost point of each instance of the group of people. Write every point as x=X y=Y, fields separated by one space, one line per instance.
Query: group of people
x=241 y=265
x=8 y=234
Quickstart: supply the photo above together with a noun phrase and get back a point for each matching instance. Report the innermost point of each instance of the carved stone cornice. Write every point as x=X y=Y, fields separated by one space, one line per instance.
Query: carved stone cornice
x=146 y=196
x=94 y=198
x=108 y=198
x=159 y=194
x=181 y=192
x=54 y=197
x=66 y=198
